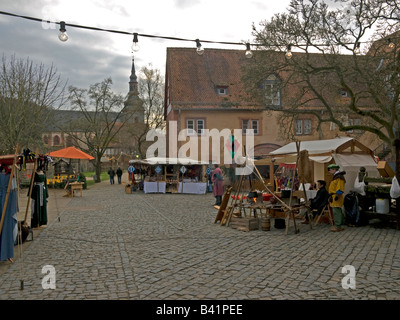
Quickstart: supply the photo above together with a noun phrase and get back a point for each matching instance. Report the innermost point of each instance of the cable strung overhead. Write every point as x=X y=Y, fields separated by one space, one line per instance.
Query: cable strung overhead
x=200 y=50
x=118 y=31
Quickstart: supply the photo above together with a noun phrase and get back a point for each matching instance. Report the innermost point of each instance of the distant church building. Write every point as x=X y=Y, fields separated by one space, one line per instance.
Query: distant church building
x=133 y=103
x=58 y=133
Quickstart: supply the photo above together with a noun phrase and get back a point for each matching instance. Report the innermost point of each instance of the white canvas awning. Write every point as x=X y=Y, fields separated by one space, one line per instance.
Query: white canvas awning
x=313 y=147
x=351 y=163
x=183 y=161
x=321 y=159
x=347 y=161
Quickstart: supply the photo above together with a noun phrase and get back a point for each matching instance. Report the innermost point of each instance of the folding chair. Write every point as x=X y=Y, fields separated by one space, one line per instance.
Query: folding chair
x=326 y=211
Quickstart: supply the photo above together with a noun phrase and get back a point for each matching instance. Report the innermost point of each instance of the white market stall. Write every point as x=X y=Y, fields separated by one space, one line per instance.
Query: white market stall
x=347 y=152
x=175 y=175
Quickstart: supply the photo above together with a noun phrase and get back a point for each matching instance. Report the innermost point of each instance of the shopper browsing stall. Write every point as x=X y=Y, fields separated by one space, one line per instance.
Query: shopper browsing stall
x=218 y=184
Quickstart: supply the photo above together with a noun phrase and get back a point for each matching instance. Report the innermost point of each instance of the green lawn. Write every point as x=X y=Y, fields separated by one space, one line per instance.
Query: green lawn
x=89 y=174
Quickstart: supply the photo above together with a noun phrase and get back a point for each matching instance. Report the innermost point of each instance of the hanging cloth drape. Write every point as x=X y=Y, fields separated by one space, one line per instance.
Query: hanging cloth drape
x=39 y=201
x=7 y=238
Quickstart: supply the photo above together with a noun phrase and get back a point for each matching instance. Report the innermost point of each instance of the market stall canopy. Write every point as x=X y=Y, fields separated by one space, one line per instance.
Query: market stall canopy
x=137 y=161
x=70 y=153
x=347 y=152
x=314 y=147
x=7 y=160
x=275 y=160
x=184 y=161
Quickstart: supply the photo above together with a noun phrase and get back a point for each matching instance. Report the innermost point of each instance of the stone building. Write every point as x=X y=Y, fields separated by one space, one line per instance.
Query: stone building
x=65 y=123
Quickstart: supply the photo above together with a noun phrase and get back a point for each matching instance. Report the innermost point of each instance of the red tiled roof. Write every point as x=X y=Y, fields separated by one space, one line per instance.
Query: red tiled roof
x=193 y=79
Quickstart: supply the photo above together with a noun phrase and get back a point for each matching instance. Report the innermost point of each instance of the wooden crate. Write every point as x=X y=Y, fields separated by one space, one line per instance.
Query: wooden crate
x=244 y=223
x=385 y=170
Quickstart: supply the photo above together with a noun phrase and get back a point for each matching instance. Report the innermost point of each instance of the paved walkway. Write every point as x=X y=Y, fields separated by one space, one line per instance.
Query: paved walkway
x=113 y=245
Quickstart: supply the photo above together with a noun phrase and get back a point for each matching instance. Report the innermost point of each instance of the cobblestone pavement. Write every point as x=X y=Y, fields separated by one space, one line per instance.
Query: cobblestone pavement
x=113 y=245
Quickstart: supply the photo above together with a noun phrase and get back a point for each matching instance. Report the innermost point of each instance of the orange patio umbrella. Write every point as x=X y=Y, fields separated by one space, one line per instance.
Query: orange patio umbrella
x=70 y=153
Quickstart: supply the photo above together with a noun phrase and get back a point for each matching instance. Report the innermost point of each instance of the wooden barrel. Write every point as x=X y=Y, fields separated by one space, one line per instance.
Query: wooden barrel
x=265 y=224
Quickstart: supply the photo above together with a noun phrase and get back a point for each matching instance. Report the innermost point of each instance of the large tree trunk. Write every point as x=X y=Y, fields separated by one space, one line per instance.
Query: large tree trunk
x=98 y=170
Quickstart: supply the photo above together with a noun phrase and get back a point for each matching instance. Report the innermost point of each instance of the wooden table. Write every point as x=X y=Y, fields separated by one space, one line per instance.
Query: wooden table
x=253 y=207
x=76 y=186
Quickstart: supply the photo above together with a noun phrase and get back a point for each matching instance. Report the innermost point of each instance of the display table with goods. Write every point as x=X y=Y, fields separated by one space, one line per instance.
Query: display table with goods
x=154 y=186
x=192 y=187
x=172 y=175
x=376 y=207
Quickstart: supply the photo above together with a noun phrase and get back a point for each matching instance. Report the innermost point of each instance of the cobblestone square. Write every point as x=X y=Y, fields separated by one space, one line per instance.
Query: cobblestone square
x=110 y=245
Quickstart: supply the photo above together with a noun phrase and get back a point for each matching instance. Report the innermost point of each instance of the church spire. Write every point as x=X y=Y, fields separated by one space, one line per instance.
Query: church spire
x=133 y=101
x=133 y=84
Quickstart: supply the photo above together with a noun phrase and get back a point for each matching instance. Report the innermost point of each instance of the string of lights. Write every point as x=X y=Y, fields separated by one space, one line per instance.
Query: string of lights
x=135 y=46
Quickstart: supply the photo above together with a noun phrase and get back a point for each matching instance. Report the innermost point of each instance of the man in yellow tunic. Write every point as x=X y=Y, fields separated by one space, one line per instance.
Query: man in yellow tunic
x=336 y=190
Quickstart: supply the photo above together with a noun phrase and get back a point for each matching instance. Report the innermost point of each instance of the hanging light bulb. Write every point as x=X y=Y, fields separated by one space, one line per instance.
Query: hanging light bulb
x=248 y=53
x=63 y=34
x=390 y=44
x=200 y=49
x=289 y=51
x=135 y=46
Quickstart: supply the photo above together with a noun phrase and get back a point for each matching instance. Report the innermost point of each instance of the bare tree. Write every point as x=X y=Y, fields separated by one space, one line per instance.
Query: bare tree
x=151 y=91
x=352 y=47
x=103 y=116
x=27 y=93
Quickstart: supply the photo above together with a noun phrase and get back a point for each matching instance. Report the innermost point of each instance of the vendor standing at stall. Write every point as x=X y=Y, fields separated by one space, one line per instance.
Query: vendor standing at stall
x=336 y=190
x=218 y=184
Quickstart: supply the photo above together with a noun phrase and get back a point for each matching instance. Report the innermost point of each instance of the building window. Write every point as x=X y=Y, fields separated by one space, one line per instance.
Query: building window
x=222 y=91
x=254 y=126
x=70 y=141
x=200 y=126
x=307 y=126
x=46 y=140
x=272 y=91
x=56 y=141
x=245 y=125
x=250 y=125
x=354 y=122
x=190 y=126
x=303 y=126
x=195 y=125
x=344 y=93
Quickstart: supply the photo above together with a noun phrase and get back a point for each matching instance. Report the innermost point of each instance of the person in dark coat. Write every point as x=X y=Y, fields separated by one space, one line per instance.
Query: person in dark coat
x=319 y=202
x=119 y=175
x=111 y=173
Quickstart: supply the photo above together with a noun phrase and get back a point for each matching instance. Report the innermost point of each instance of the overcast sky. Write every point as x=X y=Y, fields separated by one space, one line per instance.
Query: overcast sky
x=89 y=56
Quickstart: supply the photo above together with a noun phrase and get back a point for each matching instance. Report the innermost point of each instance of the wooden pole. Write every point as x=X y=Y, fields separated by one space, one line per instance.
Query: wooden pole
x=273 y=193
x=291 y=194
x=30 y=192
x=271 y=174
x=304 y=188
x=233 y=203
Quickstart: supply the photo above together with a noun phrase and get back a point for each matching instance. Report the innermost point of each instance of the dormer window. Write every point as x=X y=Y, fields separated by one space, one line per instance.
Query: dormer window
x=222 y=90
x=272 y=91
x=344 y=93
